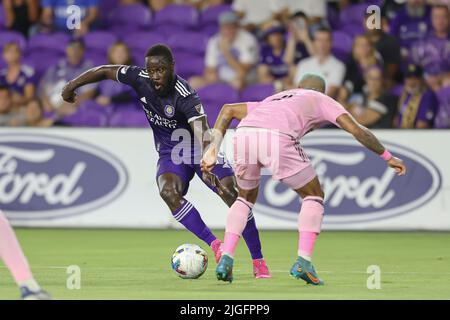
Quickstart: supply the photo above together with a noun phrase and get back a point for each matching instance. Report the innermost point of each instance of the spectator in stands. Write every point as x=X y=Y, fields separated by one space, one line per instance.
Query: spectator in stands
x=111 y=92
x=272 y=68
x=57 y=76
x=231 y=55
x=316 y=10
x=433 y=52
x=323 y=62
x=299 y=43
x=418 y=105
x=389 y=49
x=363 y=58
x=27 y=115
x=21 y=14
x=375 y=108
x=17 y=76
x=55 y=16
x=35 y=115
x=253 y=13
x=411 y=24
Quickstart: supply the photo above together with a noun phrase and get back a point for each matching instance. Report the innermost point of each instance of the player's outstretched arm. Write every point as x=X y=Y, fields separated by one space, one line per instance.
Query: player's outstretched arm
x=90 y=76
x=227 y=114
x=368 y=139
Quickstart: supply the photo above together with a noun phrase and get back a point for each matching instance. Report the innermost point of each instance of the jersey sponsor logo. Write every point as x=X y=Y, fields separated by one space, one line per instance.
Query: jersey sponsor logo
x=169 y=111
x=358 y=186
x=51 y=177
x=158 y=120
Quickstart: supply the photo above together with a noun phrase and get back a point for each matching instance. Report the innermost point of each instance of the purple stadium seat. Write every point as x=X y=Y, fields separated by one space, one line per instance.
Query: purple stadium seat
x=443 y=117
x=96 y=58
x=188 y=64
x=257 y=92
x=144 y=40
x=2 y=18
x=209 y=18
x=332 y=17
x=89 y=105
x=126 y=18
x=99 y=41
x=210 y=15
x=191 y=42
x=342 y=45
x=41 y=61
x=214 y=96
x=129 y=118
x=105 y=8
x=181 y=15
x=86 y=118
x=353 y=14
x=55 y=42
x=12 y=36
x=352 y=29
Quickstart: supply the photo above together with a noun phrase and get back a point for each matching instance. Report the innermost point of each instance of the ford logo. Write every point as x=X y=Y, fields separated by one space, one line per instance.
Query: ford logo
x=48 y=177
x=358 y=185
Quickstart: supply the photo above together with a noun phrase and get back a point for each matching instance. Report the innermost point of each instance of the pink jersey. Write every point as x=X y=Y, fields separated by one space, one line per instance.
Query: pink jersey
x=294 y=112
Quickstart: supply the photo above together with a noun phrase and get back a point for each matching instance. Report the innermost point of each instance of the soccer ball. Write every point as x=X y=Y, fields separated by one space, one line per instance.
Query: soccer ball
x=189 y=261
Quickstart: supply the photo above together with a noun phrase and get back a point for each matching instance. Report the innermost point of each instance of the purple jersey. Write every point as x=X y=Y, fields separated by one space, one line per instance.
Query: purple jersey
x=278 y=68
x=432 y=54
x=166 y=114
x=410 y=29
x=25 y=77
x=417 y=107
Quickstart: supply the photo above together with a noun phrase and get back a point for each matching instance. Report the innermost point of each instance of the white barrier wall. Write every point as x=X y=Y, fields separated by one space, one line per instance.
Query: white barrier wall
x=106 y=178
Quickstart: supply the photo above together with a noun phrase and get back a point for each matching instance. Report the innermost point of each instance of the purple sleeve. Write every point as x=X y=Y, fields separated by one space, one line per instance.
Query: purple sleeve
x=191 y=107
x=427 y=107
x=128 y=74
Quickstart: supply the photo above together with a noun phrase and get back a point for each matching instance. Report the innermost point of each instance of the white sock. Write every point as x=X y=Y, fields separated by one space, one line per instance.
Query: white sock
x=304 y=256
x=30 y=284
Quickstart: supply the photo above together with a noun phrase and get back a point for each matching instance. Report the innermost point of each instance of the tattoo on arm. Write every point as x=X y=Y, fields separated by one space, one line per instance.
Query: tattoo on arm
x=368 y=139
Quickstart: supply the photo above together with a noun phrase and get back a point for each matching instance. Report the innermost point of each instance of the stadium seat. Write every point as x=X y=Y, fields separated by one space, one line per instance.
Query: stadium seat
x=353 y=14
x=352 y=29
x=125 y=19
x=86 y=118
x=176 y=16
x=129 y=118
x=257 y=92
x=12 y=36
x=210 y=16
x=342 y=45
x=443 y=116
x=190 y=42
x=214 y=96
x=89 y=105
x=52 y=43
x=41 y=61
x=99 y=41
x=2 y=18
x=143 y=40
x=96 y=58
x=332 y=17
x=188 y=64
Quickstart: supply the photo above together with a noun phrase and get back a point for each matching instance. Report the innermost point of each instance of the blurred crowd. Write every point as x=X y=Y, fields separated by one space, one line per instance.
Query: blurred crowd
x=390 y=70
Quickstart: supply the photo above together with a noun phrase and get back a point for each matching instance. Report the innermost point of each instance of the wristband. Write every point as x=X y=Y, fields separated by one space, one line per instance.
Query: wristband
x=386 y=155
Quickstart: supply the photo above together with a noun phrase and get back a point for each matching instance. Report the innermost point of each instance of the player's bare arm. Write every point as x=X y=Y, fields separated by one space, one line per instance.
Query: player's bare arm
x=368 y=139
x=227 y=114
x=90 y=76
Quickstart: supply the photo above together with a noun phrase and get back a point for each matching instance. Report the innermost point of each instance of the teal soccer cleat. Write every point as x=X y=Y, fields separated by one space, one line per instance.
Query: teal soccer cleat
x=303 y=269
x=224 y=270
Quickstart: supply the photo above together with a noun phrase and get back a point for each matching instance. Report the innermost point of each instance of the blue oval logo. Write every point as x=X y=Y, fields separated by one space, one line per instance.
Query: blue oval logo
x=358 y=185
x=48 y=177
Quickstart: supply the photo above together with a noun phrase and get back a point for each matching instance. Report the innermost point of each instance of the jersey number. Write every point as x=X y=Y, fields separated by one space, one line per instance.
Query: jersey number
x=287 y=96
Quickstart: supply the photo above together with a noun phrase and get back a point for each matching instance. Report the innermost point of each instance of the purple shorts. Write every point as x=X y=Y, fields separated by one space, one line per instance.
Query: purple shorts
x=186 y=171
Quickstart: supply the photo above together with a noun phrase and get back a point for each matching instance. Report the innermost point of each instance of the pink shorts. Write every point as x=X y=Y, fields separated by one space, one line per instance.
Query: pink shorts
x=281 y=154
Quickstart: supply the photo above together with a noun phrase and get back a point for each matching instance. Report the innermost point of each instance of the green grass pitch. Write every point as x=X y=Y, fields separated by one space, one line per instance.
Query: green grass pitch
x=135 y=264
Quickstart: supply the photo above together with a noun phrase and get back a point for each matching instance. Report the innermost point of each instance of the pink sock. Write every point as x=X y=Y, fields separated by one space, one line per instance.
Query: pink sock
x=309 y=225
x=11 y=253
x=236 y=222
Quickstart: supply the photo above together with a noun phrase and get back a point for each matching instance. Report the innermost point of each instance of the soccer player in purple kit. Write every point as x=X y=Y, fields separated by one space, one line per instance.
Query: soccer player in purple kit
x=170 y=105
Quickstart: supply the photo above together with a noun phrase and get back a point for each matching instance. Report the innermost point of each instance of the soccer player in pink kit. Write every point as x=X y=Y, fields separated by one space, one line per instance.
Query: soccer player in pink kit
x=267 y=136
x=14 y=259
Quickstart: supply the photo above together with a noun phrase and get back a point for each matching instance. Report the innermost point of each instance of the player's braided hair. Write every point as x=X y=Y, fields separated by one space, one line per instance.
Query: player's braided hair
x=160 y=50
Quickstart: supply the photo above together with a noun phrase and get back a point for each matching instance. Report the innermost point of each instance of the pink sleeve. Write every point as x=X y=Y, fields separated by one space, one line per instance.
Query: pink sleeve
x=331 y=109
x=251 y=106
